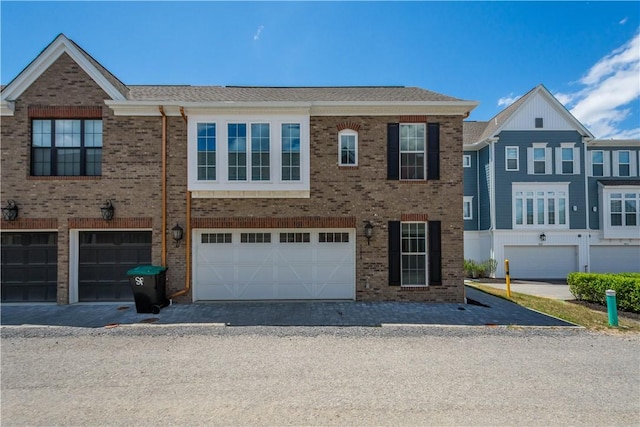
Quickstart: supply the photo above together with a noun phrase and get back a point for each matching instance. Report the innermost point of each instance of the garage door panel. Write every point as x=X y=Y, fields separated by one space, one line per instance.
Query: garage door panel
x=615 y=259
x=274 y=270
x=541 y=262
x=29 y=266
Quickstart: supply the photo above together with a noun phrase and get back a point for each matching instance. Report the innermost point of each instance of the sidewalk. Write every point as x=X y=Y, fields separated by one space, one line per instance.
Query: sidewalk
x=549 y=289
x=482 y=309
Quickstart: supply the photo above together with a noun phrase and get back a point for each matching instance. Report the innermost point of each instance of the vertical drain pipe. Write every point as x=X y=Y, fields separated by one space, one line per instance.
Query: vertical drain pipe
x=164 y=186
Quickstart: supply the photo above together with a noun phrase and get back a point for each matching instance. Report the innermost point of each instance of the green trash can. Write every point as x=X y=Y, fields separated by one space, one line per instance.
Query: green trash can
x=148 y=284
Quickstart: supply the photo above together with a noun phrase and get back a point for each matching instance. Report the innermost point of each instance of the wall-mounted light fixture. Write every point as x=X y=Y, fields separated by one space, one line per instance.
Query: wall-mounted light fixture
x=595 y=209
x=10 y=212
x=575 y=208
x=107 y=211
x=177 y=232
x=542 y=237
x=368 y=231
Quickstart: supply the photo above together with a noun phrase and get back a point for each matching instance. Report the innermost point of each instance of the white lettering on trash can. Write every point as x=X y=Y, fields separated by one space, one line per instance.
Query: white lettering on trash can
x=139 y=281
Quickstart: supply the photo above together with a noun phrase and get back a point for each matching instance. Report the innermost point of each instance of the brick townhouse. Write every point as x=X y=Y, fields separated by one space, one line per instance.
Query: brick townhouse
x=280 y=193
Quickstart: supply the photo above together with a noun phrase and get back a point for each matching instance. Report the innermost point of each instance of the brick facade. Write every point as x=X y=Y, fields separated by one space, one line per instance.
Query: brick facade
x=131 y=178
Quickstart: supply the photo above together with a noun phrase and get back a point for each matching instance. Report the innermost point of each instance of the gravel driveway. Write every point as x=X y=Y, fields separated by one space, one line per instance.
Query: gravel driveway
x=197 y=375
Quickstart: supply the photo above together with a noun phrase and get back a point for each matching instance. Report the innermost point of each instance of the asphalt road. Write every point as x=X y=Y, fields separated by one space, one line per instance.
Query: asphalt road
x=204 y=375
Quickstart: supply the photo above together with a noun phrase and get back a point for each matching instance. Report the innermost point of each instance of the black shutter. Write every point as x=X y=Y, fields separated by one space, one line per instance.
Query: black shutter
x=394 y=253
x=435 y=253
x=433 y=151
x=393 y=151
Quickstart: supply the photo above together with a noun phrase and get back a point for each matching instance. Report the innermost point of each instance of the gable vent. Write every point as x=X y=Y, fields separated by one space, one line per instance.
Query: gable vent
x=538 y=122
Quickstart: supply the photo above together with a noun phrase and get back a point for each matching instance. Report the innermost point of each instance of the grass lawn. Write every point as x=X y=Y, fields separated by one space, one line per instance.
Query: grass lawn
x=571 y=312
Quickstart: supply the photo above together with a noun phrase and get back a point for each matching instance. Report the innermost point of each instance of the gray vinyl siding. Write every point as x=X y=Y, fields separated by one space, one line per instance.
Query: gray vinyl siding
x=484 y=183
x=504 y=179
x=592 y=183
x=471 y=189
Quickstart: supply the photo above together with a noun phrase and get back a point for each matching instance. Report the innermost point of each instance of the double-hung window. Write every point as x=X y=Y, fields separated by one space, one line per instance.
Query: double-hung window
x=512 y=158
x=237 y=151
x=624 y=209
x=260 y=152
x=65 y=147
x=207 y=151
x=543 y=205
x=412 y=151
x=348 y=148
x=290 y=151
x=414 y=254
x=624 y=163
x=598 y=163
x=467 y=207
x=539 y=159
x=567 y=159
x=466 y=161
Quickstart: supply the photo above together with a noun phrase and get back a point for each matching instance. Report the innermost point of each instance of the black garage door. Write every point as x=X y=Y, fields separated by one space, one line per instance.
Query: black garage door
x=105 y=258
x=29 y=267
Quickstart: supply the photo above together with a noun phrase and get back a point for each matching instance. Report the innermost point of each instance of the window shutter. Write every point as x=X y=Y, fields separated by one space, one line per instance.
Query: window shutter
x=530 y=160
x=548 y=156
x=559 y=160
x=607 y=163
x=576 y=161
x=433 y=151
x=632 y=164
x=394 y=253
x=616 y=163
x=435 y=253
x=393 y=151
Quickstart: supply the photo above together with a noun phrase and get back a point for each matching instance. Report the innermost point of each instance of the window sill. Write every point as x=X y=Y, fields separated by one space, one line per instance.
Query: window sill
x=64 y=178
x=348 y=167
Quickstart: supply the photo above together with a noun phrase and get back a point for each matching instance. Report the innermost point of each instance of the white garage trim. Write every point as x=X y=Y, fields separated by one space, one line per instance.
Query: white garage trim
x=297 y=267
x=615 y=259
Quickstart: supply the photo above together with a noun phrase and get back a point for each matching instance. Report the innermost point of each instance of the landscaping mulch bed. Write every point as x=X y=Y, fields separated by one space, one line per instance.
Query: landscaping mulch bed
x=598 y=307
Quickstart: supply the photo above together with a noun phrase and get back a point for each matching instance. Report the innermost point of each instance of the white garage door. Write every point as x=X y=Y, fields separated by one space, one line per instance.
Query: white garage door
x=541 y=262
x=615 y=259
x=274 y=264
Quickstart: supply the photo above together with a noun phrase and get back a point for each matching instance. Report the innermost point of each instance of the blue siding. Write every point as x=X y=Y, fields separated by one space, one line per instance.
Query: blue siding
x=471 y=189
x=504 y=179
x=484 y=178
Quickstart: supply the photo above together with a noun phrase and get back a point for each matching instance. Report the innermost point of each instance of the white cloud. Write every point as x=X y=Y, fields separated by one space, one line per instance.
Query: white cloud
x=256 y=36
x=505 y=101
x=623 y=21
x=610 y=88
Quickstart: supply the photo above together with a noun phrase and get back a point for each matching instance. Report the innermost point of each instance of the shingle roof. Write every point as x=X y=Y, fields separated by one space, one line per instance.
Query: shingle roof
x=284 y=94
x=472 y=131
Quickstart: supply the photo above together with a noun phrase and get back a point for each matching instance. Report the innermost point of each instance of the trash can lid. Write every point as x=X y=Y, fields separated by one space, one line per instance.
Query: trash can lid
x=146 y=270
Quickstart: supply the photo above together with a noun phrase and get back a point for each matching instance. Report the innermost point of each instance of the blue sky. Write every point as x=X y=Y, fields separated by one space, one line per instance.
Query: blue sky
x=585 y=53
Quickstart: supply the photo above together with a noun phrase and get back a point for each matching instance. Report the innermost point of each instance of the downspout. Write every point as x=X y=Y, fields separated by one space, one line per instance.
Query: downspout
x=587 y=207
x=164 y=186
x=187 y=282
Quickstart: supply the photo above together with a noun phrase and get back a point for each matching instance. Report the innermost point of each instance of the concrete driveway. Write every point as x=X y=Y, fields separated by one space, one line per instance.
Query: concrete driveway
x=555 y=289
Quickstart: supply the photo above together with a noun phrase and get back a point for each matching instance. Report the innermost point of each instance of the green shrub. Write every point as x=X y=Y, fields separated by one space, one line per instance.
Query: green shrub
x=592 y=287
x=477 y=269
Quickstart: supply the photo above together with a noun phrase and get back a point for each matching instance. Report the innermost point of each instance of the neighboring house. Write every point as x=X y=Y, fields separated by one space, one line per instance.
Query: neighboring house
x=540 y=191
x=275 y=188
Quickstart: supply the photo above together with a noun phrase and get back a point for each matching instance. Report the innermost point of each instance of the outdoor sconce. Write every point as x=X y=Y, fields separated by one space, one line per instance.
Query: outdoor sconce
x=177 y=233
x=107 y=211
x=368 y=231
x=575 y=208
x=10 y=212
x=543 y=237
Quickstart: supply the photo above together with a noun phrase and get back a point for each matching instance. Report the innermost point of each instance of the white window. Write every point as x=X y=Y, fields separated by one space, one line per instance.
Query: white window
x=620 y=216
x=599 y=163
x=624 y=209
x=412 y=151
x=248 y=156
x=624 y=163
x=512 y=161
x=539 y=159
x=466 y=161
x=414 y=254
x=540 y=205
x=467 y=207
x=568 y=159
x=348 y=148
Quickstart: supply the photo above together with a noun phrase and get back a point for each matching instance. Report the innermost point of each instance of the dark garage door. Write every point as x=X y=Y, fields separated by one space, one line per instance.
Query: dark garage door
x=29 y=267
x=105 y=258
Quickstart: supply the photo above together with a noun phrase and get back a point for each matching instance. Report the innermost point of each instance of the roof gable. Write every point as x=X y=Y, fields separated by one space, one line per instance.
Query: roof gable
x=521 y=115
x=103 y=78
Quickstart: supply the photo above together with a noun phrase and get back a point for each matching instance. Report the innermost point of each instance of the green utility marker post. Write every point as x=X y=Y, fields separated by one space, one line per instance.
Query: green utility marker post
x=612 y=307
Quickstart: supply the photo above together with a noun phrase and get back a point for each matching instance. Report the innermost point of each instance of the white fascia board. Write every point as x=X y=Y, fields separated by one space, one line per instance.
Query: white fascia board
x=7 y=108
x=614 y=143
x=150 y=108
x=46 y=59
